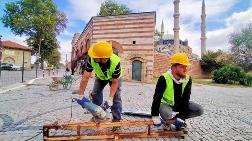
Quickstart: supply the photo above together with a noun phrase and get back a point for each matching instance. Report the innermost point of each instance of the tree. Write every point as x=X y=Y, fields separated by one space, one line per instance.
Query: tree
x=40 y=20
x=228 y=74
x=157 y=33
x=241 y=47
x=54 y=58
x=48 y=44
x=109 y=8
x=215 y=60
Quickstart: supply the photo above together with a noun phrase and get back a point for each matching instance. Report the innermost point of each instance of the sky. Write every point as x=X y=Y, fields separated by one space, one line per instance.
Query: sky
x=223 y=18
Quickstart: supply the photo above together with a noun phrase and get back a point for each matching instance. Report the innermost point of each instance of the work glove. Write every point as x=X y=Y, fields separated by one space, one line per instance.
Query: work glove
x=91 y=95
x=156 y=120
x=77 y=95
x=110 y=101
x=80 y=101
x=179 y=123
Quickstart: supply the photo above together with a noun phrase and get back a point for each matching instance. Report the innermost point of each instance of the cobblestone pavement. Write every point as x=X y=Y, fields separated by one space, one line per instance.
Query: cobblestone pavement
x=227 y=111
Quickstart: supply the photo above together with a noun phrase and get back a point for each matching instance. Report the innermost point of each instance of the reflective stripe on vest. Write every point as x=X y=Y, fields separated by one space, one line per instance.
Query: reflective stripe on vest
x=168 y=96
x=114 y=60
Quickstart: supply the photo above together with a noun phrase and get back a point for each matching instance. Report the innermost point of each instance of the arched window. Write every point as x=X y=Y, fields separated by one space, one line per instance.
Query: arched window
x=115 y=51
x=136 y=70
x=9 y=60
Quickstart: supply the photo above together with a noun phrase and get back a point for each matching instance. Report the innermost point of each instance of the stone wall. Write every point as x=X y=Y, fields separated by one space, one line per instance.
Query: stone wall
x=162 y=64
x=133 y=32
x=133 y=36
x=195 y=69
x=15 y=56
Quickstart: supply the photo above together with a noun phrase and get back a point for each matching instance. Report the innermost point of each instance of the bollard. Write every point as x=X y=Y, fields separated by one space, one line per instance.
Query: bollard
x=53 y=72
x=43 y=73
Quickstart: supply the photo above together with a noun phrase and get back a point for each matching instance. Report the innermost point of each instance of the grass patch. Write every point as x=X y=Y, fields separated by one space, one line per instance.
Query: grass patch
x=250 y=72
x=154 y=80
x=212 y=83
x=203 y=81
x=207 y=82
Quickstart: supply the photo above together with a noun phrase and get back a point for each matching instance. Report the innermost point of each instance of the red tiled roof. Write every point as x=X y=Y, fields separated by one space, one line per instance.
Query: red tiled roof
x=13 y=45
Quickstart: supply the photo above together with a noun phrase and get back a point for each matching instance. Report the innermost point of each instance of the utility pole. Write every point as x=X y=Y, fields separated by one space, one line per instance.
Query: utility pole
x=66 y=60
x=1 y=55
x=38 y=59
x=23 y=68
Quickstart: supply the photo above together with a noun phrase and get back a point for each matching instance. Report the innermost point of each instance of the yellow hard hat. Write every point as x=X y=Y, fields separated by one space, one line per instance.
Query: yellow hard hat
x=180 y=58
x=100 y=49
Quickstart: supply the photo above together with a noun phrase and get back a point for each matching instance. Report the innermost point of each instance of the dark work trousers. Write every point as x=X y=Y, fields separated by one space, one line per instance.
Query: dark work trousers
x=189 y=111
x=97 y=96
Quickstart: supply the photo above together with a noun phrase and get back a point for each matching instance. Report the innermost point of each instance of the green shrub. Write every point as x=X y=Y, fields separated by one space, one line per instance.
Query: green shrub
x=209 y=63
x=230 y=75
x=247 y=80
x=215 y=60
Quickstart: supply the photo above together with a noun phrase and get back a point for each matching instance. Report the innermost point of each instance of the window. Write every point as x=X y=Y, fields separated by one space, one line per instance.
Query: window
x=134 y=42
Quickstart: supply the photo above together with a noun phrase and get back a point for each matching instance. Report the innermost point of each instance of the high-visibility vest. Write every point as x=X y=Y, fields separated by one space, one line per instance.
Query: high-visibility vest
x=114 y=61
x=168 y=96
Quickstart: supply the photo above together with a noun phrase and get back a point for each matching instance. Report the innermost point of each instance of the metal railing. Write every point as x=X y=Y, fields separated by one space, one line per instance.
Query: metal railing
x=10 y=77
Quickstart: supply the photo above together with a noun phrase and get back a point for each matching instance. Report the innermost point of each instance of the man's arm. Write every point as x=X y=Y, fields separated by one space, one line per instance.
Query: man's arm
x=83 y=82
x=85 y=77
x=115 y=77
x=187 y=93
x=159 y=91
x=113 y=88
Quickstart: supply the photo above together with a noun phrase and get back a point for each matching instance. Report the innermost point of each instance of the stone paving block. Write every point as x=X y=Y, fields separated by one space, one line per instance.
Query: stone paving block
x=127 y=139
x=174 y=139
x=160 y=139
x=167 y=139
x=225 y=117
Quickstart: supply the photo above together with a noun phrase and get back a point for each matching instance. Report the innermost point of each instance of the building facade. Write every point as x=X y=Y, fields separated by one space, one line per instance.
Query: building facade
x=13 y=53
x=143 y=55
x=132 y=38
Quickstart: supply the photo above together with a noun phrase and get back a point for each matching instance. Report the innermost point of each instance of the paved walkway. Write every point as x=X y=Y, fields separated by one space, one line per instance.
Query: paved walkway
x=228 y=111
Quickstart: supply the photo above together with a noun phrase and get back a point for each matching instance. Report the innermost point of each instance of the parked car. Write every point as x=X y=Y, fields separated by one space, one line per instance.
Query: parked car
x=15 y=67
x=6 y=66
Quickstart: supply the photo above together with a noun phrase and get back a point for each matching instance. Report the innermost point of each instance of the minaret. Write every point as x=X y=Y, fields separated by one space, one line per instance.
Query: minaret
x=162 y=29
x=176 y=25
x=203 y=29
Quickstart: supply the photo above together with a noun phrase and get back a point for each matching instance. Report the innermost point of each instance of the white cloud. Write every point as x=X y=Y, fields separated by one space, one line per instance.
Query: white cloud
x=218 y=39
x=238 y=20
x=190 y=17
x=65 y=49
x=83 y=9
x=17 y=39
x=67 y=33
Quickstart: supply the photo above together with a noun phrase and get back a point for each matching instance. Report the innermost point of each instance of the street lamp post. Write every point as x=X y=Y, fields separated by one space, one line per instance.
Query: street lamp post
x=1 y=55
x=38 y=59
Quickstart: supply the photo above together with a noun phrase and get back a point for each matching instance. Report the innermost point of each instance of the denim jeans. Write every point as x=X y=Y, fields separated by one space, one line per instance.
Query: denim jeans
x=190 y=111
x=97 y=96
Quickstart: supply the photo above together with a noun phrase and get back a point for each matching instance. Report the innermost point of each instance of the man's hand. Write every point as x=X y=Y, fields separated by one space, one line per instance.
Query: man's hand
x=91 y=94
x=110 y=101
x=80 y=96
x=156 y=120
